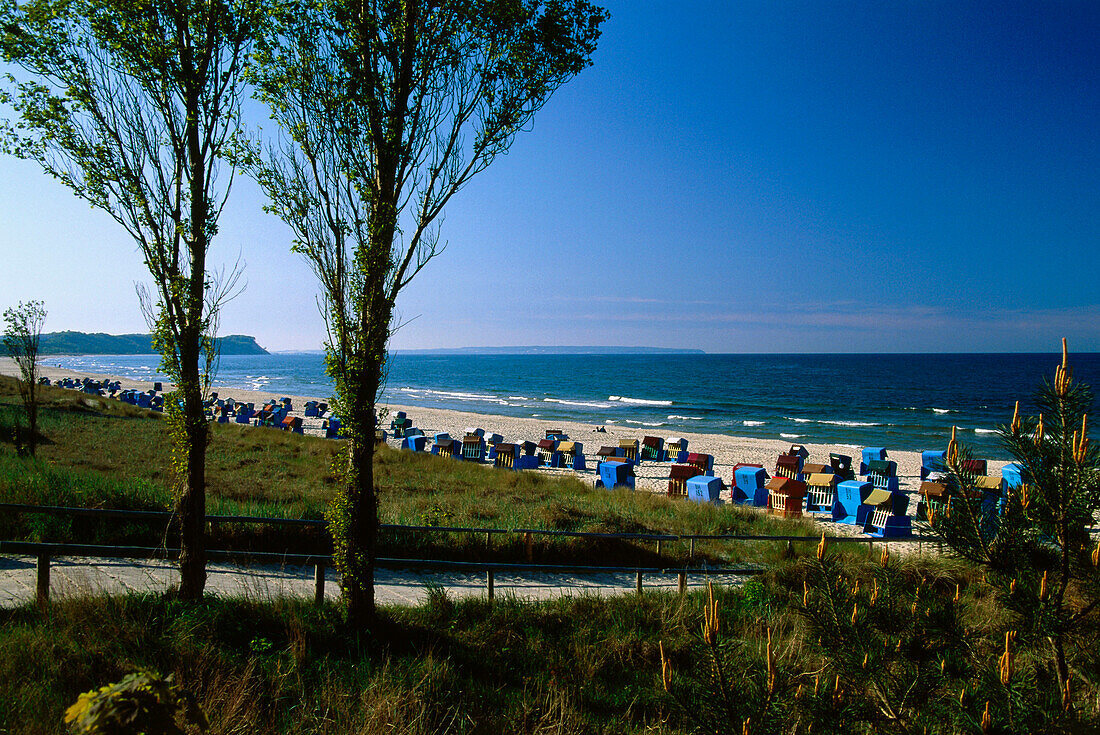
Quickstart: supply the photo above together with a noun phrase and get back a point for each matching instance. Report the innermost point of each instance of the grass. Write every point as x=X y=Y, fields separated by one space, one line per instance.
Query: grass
x=102 y=453
x=575 y=665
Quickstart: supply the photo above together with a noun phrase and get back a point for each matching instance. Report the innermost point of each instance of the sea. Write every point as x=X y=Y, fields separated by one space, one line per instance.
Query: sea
x=899 y=401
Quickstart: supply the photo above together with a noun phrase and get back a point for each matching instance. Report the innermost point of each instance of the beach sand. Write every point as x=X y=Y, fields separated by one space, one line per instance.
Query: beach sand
x=651 y=476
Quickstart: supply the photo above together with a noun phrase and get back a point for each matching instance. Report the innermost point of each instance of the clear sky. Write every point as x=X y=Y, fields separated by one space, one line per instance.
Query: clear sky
x=753 y=176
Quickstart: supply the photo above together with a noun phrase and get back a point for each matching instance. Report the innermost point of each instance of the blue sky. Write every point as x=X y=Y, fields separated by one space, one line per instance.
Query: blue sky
x=734 y=177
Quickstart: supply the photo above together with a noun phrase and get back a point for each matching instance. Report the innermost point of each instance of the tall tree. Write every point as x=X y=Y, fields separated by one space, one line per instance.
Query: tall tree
x=130 y=103
x=388 y=108
x=22 y=334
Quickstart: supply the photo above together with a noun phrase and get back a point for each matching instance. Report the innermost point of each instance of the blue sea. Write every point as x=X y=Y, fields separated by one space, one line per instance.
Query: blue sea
x=903 y=402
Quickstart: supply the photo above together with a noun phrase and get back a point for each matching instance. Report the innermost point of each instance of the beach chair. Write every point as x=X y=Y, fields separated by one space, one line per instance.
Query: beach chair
x=933 y=497
x=548 y=453
x=606 y=453
x=821 y=492
x=379 y=436
x=812 y=468
x=474 y=430
x=414 y=442
x=504 y=455
x=887 y=518
x=490 y=443
x=883 y=475
x=749 y=485
x=704 y=462
x=674 y=447
x=932 y=463
x=678 y=477
x=309 y=410
x=473 y=447
x=868 y=455
x=331 y=427
x=555 y=434
x=786 y=497
x=1013 y=476
x=613 y=474
x=975 y=466
x=400 y=424
x=705 y=489
x=653 y=448
x=527 y=462
x=789 y=466
x=293 y=424
x=993 y=495
x=447 y=447
x=572 y=455
x=849 y=507
x=629 y=449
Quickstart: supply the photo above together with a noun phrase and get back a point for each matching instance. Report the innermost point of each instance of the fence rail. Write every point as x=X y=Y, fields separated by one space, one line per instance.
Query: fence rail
x=45 y=552
x=57 y=510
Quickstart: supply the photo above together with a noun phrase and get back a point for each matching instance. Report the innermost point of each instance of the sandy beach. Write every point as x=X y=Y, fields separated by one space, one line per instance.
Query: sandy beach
x=651 y=476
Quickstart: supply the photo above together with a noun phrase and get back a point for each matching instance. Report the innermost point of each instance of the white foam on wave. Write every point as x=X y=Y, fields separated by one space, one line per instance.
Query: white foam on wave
x=460 y=396
x=754 y=423
x=638 y=401
x=791 y=436
x=985 y=431
x=849 y=423
x=942 y=410
x=585 y=404
x=518 y=398
x=643 y=423
x=831 y=422
x=674 y=417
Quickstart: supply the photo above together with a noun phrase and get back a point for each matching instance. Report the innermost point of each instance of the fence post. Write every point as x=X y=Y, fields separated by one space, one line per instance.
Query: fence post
x=42 y=591
x=530 y=546
x=691 y=549
x=683 y=582
x=319 y=584
x=639 y=582
x=871 y=548
x=489 y=583
x=658 y=547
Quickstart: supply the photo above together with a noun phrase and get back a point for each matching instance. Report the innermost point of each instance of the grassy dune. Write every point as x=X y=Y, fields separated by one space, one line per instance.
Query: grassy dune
x=102 y=453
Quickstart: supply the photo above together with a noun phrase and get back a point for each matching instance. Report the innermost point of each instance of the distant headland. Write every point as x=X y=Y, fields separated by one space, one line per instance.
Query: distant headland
x=83 y=343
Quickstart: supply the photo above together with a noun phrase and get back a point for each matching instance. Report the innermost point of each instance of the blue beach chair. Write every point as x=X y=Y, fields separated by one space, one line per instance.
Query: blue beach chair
x=749 y=486
x=821 y=492
x=705 y=489
x=887 y=518
x=849 y=507
x=612 y=474
x=932 y=463
x=870 y=454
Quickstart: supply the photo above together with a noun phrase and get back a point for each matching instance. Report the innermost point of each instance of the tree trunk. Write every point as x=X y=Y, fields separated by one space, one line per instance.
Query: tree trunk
x=192 y=501
x=360 y=544
x=192 y=505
